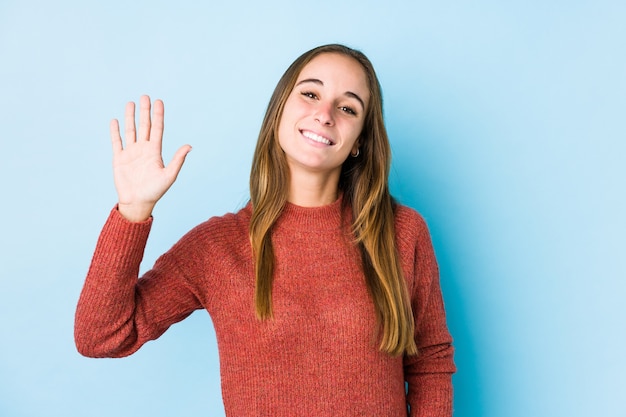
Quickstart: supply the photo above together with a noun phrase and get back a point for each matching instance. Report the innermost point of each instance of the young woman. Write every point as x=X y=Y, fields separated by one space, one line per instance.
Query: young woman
x=323 y=292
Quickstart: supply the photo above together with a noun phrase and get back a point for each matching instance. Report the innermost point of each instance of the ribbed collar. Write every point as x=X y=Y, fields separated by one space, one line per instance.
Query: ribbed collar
x=328 y=217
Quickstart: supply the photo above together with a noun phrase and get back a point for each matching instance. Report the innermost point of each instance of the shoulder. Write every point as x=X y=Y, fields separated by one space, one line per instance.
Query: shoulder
x=414 y=247
x=228 y=230
x=229 y=222
x=410 y=226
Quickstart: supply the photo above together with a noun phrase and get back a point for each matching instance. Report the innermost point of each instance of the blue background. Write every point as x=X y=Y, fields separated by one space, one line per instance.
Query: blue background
x=507 y=122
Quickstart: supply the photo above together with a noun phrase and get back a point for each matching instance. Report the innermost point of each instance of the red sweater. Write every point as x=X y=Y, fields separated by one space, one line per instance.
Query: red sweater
x=318 y=356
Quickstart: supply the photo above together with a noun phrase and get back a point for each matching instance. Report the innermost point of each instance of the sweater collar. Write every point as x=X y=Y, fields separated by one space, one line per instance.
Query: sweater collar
x=327 y=217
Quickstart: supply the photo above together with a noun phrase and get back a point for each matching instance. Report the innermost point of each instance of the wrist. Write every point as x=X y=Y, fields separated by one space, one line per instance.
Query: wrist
x=135 y=213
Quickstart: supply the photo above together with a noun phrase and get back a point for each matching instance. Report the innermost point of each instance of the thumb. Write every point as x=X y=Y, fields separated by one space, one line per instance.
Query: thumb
x=173 y=168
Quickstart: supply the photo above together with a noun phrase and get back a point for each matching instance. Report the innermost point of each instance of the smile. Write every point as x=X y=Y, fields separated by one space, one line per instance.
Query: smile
x=316 y=138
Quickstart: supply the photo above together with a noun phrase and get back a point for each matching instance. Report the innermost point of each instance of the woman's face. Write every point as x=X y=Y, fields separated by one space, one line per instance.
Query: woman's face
x=324 y=114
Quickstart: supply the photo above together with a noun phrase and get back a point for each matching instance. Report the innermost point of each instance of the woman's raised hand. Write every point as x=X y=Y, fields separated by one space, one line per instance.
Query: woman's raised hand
x=140 y=176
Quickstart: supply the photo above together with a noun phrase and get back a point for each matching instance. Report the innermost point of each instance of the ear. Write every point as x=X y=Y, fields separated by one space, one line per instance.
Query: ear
x=355 y=151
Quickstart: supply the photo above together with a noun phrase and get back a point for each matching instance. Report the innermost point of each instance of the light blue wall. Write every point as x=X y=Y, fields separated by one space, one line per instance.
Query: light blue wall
x=507 y=121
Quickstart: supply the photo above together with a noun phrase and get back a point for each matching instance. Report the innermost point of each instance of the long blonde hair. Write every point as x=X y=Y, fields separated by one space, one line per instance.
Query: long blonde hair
x=364 y=184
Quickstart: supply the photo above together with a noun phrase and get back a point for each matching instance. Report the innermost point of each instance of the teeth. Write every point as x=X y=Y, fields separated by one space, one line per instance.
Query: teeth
x=316 y=138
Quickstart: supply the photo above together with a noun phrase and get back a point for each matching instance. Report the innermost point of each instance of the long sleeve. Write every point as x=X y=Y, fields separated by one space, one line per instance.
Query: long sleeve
x=117 y=312
x=319 y=349
x=429 y=373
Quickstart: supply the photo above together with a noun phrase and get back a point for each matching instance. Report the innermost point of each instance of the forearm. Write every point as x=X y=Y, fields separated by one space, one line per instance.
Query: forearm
x=430 y=395
x=104 y=322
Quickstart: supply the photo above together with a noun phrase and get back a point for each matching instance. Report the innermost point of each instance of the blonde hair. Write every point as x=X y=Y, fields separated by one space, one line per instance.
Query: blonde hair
x=364 y=184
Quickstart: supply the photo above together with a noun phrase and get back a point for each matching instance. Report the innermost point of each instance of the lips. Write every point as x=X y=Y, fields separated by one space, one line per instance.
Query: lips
x=317 y=138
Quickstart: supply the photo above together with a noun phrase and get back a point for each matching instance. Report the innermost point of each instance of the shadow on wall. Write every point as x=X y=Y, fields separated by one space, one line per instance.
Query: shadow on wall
x=426 y=177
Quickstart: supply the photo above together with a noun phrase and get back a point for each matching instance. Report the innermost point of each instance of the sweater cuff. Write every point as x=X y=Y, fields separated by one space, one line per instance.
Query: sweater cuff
x=122 y=240
x=432 y=397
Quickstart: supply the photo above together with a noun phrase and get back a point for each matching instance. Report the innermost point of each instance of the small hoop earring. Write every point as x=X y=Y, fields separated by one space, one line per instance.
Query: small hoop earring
x=354 y=155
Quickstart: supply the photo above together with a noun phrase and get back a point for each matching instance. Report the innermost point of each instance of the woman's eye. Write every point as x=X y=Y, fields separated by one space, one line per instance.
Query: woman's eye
x=309 y=94
x=348 y=110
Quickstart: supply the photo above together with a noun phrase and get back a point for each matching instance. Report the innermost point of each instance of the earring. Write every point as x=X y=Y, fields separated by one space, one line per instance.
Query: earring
x=354 y=155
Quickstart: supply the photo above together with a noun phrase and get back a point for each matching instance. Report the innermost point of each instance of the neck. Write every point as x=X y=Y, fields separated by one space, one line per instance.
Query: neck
x=313 y=189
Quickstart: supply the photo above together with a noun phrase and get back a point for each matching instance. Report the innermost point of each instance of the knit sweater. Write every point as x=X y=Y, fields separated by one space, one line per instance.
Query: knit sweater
x=319 y=354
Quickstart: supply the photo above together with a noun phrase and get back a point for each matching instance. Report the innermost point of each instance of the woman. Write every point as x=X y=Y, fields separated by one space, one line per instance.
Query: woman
x=323 y=292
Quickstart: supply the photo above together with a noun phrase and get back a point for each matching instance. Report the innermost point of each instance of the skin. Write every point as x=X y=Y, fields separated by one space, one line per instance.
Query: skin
x=320 y=126
x=140 y=176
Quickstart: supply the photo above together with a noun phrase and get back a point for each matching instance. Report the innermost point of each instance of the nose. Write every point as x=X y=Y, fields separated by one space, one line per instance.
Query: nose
x=324 y=114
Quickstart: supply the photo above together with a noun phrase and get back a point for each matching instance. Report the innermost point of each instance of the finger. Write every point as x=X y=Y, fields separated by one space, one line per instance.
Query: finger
x=144 y=118
x=116 y=139
x=173 y=168
x=129 y=123
x=158 y=115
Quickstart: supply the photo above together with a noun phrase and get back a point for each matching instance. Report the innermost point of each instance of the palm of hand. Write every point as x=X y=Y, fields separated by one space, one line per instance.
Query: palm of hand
x=141 y=178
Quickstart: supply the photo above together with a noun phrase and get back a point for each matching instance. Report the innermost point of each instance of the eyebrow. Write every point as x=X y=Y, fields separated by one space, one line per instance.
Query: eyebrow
x=347 y=93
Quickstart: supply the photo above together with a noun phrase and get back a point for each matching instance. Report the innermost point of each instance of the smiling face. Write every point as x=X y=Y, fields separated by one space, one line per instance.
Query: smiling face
x=324 y=114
